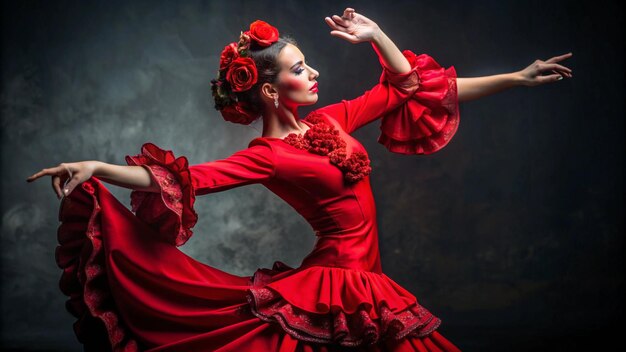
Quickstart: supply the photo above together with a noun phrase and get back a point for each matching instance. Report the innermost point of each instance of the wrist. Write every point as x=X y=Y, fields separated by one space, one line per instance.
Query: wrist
x=96 y=167
x=517 y=79
x=377 y=36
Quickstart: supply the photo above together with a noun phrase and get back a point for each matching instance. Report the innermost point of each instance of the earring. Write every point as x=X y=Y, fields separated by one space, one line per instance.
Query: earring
x=276 y=101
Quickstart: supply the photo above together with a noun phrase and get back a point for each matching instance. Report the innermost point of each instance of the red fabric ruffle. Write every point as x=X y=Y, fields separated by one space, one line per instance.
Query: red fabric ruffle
x=340 y=306
x=428 y=120
x=84 y=279
x=87 y=279
x=171 y=211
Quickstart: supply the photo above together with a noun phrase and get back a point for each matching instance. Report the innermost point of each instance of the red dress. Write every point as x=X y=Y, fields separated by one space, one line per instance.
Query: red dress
x=132 y=289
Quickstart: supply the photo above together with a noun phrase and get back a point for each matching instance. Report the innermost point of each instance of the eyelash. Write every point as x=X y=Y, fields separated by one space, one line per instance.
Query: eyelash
x=298 y=72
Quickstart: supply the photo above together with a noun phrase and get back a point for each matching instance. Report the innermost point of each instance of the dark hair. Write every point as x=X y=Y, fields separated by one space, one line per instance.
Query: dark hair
x=267 y=66
x=266 y=60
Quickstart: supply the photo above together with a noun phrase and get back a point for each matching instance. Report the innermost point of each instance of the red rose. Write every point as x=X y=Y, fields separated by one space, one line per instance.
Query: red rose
x=228 y=55
x=263 y=33
x=238 y=113
x=242 y=74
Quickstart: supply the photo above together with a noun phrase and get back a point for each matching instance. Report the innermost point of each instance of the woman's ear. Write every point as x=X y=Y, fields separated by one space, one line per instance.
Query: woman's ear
x=268 y=91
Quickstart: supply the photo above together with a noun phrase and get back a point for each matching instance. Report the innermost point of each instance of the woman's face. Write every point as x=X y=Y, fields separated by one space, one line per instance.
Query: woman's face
x=296 y=82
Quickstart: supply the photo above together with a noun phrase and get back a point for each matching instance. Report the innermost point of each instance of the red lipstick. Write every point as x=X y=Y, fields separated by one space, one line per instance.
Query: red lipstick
x=314 y=88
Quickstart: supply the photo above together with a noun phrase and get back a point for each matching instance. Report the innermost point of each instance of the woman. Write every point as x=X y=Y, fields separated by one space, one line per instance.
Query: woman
x=132 y=289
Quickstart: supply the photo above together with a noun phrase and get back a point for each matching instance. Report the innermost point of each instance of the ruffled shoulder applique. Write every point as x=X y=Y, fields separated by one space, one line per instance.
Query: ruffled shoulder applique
x=324 y=139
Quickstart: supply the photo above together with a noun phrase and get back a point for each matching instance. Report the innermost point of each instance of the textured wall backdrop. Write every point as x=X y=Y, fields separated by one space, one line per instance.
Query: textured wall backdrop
x=512 y=234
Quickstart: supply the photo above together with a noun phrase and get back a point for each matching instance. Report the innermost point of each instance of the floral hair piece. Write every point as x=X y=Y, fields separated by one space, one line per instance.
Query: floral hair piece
x=238 y=72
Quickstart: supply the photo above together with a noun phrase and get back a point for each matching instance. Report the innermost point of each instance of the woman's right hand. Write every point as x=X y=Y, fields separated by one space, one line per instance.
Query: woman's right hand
x=352 y=26
x=76 y=173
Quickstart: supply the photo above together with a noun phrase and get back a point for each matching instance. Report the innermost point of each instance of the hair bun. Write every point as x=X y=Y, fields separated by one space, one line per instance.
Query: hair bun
x=238 y=73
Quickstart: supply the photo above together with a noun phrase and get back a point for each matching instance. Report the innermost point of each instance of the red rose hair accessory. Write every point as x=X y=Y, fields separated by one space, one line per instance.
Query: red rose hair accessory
x=241 y=74
x=238 y=72
x=238 y=113
x=263 y=33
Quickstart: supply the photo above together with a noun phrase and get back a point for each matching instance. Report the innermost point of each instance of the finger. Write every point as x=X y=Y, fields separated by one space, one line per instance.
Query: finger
x=340 y=21
x=559 y=58
x=35 y=176
x=549 y=78
x=563 y=73
x=545 y=69
x=69 y=187
x=545 y=73
x=56 y=185
x=331 y=23
x=348 y=13
x=559 y=67
x=43 y=172
x=343 y=35
x=69 y=172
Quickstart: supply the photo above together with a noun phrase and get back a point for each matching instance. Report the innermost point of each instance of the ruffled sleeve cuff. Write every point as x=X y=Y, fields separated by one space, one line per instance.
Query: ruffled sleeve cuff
x=428 y=120
x=170 y=212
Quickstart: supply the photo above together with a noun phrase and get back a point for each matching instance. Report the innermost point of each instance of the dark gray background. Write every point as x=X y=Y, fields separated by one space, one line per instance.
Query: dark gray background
x=511 y=234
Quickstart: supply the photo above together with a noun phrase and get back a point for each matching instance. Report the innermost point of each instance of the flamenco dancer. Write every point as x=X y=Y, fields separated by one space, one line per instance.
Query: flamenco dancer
x=132 y=289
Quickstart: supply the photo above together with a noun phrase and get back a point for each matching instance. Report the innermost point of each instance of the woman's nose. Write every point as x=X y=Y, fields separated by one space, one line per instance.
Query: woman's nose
x=314 y=73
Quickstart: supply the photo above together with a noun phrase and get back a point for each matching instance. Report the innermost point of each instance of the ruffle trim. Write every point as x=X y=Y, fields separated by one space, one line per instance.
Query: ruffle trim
x=428 y=120
x=81 y=256
x=350 y=307
x=170 y=212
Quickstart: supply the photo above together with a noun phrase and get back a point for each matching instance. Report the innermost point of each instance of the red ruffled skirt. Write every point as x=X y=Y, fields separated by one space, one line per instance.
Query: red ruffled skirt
x=131 y=291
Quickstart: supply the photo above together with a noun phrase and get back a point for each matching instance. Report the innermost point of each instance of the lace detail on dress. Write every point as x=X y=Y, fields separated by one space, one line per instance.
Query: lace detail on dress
x=171 y=193
x=170 y=212
x=451 y=103
x=336 y=327
x=323 y=139
x=81 y=256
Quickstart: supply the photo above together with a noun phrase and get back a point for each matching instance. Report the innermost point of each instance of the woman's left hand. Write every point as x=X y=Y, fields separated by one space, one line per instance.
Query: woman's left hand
x=352 y=26
x=540 y=72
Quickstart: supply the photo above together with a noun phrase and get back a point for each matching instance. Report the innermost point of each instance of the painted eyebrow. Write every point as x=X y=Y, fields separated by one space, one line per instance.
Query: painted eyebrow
x=296 y=64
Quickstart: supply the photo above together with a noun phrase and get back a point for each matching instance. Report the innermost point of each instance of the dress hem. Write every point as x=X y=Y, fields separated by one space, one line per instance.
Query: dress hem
x=370 y=322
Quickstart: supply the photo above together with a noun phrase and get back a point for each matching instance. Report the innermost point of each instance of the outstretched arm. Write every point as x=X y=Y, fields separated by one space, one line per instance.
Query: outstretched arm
x=471 y=88
x=67 y=176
